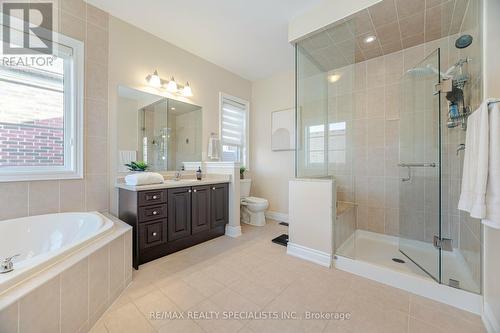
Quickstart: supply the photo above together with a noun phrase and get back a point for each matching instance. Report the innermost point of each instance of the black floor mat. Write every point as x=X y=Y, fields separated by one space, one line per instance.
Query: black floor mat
x=284 y=223
x=281 y=240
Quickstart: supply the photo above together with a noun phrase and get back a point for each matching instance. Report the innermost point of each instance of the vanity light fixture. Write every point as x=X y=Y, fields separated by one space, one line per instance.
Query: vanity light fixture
x=186 y=91
x=171 y=86
x=154 y=80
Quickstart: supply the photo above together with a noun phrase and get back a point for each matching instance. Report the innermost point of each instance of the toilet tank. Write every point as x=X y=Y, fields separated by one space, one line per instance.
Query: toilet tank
x=245 y=187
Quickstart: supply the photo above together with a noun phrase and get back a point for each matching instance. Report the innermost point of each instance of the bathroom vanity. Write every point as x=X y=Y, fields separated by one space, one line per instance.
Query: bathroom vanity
x=173 y=216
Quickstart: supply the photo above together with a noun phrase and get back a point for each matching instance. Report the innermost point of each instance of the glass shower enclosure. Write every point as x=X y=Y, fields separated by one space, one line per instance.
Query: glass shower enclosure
x=376 y=122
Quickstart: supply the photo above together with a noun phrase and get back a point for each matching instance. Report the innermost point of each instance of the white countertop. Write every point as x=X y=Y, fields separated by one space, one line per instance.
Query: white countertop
x=170 y=183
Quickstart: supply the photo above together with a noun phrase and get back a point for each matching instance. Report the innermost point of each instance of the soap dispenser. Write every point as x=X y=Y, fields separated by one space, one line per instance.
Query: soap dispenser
x=198 y=173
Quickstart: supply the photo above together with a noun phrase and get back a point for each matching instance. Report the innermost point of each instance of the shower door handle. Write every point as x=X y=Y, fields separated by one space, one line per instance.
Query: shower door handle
x=414 y=165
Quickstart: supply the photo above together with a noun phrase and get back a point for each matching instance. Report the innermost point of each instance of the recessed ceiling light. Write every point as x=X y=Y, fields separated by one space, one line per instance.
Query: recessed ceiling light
x=172 y=108
x=333 y=78
x=370 y=39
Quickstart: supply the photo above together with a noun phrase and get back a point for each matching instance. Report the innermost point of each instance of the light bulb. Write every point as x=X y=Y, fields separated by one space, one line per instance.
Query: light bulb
x=154 y=80
x=370 y=39
x=333 y=78
x=187 y=90
x=172 y=85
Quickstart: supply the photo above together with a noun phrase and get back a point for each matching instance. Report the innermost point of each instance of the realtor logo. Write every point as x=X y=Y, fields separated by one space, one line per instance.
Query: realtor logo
x=31 y=38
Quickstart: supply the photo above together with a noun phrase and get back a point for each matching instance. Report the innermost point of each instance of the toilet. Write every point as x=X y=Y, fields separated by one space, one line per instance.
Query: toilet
x=252 y=208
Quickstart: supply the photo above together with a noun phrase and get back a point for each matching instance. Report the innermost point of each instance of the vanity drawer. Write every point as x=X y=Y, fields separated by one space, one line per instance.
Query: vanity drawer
x=155 y=212
x=152 y=197
x=152 y=234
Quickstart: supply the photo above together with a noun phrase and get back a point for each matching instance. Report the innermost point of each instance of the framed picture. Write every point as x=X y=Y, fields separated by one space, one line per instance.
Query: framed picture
x=283 y=130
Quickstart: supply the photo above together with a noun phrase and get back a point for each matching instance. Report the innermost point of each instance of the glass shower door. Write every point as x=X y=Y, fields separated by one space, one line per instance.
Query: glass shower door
x=419 y=156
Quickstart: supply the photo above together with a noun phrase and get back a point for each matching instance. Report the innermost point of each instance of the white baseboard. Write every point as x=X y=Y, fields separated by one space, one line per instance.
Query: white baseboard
x=490 y=322
x=312 y=255
x=277 y=216
x=233 y=231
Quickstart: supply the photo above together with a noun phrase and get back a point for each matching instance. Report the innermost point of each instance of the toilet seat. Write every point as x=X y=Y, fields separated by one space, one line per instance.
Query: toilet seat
x=254 y=200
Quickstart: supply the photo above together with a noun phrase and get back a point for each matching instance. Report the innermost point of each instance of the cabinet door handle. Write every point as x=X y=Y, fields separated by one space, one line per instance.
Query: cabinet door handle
x=154 y=233
x=213 y=188
x=194 y=191
x=155 y=212
x=155 y=197
x=189 y=191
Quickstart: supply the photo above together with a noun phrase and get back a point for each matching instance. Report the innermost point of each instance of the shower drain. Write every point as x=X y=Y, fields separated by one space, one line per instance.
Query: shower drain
x=399 y=261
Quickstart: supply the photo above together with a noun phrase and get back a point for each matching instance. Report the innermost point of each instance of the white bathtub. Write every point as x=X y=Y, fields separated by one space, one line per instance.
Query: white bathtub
x=44 y=240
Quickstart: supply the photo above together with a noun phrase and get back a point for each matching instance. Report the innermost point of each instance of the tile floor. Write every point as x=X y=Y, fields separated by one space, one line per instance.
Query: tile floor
x=250 y=274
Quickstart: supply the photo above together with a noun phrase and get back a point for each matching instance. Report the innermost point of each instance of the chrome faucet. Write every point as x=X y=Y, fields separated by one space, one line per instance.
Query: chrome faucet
x=6 y=264
x=460 y=147
x=177 y=176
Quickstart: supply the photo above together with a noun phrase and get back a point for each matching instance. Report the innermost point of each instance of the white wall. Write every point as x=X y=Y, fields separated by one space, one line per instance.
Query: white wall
x=326 y=13
x=270 y=170
x=134 y=53
x=491 y=236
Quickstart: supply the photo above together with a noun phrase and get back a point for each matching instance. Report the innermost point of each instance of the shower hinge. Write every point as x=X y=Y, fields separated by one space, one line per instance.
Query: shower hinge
x=444 y=244
x=454 y=283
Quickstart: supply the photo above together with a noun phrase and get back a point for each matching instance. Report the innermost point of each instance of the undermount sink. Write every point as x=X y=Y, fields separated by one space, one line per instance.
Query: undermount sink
x=169 y=181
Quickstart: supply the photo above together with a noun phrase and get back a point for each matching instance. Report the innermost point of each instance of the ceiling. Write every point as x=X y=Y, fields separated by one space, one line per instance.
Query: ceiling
x=396 y=24
x=248 y=38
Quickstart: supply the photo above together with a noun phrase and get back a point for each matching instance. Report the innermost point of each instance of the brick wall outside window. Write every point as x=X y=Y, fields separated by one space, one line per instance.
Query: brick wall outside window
x=31 y=126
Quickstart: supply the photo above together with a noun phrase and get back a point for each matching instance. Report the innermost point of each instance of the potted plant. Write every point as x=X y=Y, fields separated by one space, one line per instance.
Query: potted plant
x=137 y=166
x=242 y=172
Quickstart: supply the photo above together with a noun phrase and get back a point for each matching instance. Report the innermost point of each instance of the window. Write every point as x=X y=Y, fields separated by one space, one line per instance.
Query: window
x=234 y=129
x=336 y=143
x=41 y=118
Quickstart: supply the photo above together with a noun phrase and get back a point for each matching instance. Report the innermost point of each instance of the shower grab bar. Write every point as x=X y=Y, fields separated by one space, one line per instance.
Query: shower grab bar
x=418 y=165
x=414 y=165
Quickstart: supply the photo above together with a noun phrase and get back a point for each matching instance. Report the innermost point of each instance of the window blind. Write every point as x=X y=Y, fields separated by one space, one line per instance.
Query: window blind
x=233 y=130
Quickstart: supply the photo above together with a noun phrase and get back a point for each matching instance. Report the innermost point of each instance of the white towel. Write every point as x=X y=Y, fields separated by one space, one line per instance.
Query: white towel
x=213 y=148
x=144 y=178
x=492 y=218
x=481 y=162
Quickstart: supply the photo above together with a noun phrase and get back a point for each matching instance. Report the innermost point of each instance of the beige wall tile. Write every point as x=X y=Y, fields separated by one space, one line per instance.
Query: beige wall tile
x=96 y=118
x=409 y=7
x=96 y=192
x=97 y=44
x=383 y=12
x=9 y=319
x=74 y=7
x=96 y=155
x=98 y=282
x=14 y=200
x=128 y=254
x=44 y=197
x=96 y=82
x=75 y=297
x=375 y=72
x=39 y=311
x=72 y=194
x=73 y=26
x=116 y=266
x=375 y=107
x=97 y=17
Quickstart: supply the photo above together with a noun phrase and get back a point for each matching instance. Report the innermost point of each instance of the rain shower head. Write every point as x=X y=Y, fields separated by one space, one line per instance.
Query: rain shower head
x=463 y=41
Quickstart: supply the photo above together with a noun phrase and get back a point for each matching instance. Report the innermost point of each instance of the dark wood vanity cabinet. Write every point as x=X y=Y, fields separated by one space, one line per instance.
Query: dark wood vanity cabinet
x=168 y=220
x=201 y=207
x=179 y=213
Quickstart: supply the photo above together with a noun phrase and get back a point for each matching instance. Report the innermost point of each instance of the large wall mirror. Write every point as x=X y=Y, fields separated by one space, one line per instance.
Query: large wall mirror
x=160 y=131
